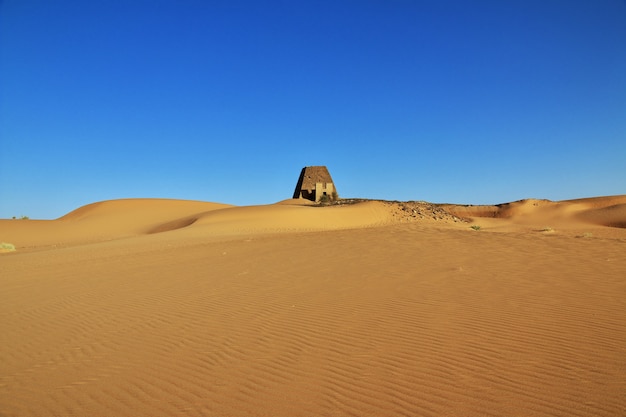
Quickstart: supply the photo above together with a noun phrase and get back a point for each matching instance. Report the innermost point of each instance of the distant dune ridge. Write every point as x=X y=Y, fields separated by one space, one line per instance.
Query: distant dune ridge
x=174 y=308
x=115 y=219
x=602 y=211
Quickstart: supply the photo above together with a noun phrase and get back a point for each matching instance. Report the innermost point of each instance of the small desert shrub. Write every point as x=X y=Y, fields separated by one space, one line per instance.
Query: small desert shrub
x=475 y=227
x=328 y=198
x=6 y=247
x=547 y=229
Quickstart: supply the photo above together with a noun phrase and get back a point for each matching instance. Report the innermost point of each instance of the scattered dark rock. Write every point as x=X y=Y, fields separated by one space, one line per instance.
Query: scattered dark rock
x=410 y=211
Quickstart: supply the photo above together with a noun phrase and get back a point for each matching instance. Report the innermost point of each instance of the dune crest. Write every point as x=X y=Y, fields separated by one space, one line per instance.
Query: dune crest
x=116 y=219
x=602 y=211
x=282 y=218
x=612 y=216
x=103 y=221
x=140 y=210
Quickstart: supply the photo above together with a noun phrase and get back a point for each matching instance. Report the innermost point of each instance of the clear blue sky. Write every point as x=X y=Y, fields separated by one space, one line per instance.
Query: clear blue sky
x=472 y=102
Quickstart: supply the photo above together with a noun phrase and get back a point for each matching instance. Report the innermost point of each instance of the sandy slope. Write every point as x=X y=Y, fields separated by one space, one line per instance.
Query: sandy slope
x=176 y=308
x=600 y=214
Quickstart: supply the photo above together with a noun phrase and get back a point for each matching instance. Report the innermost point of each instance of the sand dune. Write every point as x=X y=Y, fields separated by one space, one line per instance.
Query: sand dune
x=177 y=308
x=576 y=215
x=102 y=221
x=118 y=219
x=612 y=216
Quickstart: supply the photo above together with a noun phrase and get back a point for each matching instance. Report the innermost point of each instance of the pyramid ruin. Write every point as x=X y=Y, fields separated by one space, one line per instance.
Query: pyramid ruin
x=315 y=184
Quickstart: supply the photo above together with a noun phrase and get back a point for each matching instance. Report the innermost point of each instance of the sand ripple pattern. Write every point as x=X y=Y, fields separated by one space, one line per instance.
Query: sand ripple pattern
x=401 y=320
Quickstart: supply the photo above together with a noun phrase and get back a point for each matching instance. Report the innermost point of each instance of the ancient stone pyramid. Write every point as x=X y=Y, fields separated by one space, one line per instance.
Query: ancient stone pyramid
x=315 y=184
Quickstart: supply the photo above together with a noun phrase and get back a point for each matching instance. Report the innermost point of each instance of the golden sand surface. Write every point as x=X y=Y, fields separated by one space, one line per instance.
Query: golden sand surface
x=149 y=307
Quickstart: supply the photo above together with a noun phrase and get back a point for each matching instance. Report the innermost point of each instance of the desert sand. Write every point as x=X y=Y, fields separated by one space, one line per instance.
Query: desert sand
x=149 y=307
